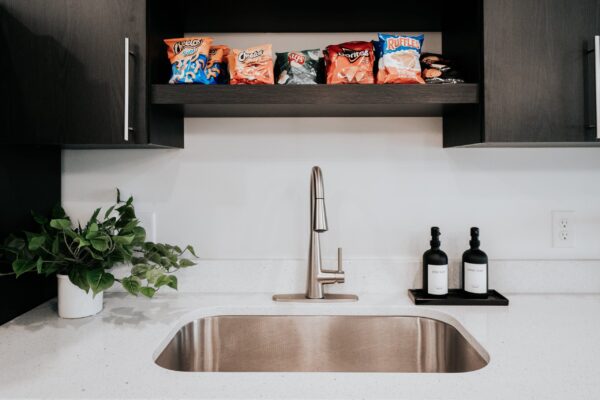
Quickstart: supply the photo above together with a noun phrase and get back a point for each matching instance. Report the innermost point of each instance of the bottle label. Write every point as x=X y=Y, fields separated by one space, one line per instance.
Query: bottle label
x=475 y=278
x=437 y=279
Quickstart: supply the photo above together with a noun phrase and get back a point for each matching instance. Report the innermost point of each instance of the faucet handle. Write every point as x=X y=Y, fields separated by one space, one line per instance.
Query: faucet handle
x=340 y=266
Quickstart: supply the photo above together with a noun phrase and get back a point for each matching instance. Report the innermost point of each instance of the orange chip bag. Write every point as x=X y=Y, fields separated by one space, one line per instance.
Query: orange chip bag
x=253 y=66
x=350 y=62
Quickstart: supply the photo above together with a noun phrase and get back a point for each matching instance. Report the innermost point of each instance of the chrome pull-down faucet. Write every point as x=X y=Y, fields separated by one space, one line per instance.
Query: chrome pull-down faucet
x=317 y=276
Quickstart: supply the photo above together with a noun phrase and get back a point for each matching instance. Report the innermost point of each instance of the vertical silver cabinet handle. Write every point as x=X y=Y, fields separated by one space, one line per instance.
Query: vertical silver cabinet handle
x=126 y=126
x=597 y=76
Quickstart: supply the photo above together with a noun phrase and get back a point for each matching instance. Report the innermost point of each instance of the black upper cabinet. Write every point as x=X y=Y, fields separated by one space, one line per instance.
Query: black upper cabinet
x=538 y=76
x=71 y=86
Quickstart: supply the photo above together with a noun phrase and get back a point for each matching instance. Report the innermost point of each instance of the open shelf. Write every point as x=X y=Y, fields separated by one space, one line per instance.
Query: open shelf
x=313 y=100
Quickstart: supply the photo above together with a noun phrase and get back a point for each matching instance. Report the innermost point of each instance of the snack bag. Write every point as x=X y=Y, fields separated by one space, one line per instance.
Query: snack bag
x=399 y=61
x=350 y=62
x=437 y=69
x=216 y=65
x=298 y=67
x=188 y=58
x=253 y=66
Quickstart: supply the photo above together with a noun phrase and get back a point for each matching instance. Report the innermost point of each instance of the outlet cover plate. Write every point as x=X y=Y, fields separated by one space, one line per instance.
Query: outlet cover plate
x=563 y=229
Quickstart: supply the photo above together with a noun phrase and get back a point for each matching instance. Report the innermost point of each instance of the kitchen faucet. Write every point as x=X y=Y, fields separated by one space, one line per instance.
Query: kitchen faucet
x=317 y=276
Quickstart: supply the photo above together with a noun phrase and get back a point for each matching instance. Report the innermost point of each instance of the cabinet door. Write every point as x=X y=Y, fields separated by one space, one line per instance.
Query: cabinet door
x=68 y=68
x=539 y=79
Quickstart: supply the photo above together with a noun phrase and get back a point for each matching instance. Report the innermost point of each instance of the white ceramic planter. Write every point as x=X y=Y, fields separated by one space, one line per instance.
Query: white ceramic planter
x=74 y=302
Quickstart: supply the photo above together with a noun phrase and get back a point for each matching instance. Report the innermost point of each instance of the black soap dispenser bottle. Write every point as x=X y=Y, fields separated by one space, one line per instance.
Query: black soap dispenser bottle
x=435 y=267
x=475 y=269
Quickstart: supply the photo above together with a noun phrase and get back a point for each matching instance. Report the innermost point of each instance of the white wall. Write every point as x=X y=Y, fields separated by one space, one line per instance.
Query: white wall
x=240 y=189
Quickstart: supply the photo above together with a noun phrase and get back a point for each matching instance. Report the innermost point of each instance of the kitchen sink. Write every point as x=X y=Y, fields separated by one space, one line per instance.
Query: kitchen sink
x=286 y=343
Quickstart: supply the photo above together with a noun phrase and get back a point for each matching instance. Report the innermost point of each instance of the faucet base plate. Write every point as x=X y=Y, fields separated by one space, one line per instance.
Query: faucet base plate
x=329 y=298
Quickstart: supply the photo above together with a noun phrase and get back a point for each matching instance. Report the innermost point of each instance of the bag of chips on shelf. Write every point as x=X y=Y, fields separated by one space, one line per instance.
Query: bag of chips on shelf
x=298 y=67
x=216 y=68
x=399 y=62
x=188 y=57
x=251 y=66
x=350 y=62
x=437 y=69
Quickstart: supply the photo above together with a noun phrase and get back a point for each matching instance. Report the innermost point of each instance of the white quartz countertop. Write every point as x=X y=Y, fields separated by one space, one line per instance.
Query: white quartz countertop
x=540 y=347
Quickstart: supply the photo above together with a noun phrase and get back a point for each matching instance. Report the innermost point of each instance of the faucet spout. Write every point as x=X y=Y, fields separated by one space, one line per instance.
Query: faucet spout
x=317 y=197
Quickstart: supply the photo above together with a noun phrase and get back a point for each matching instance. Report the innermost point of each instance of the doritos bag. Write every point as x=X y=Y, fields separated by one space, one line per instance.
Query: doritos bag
x=399 y=62
x=188 y=58
x=216 y=67
x=350 y=62
x=251 y=66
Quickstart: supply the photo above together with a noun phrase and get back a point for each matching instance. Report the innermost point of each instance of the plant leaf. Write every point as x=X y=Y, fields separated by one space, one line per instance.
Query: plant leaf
x=191 y=250
x=132 y=284
x=82 y=242
x=55 y=246
x=77 y=277
x=169 y=280
x=15 y=243
x=35 y=242
x=130 y=226
x=147 y=291
x=108 y=212
x=94 y=216
x=172 y=282
x=99 y=244
x=99 y=280
x=126 y=239
x=21 y=266
x=152 y=275
x=92 y=231
x=39 y=264
x=40 y=219
x=140 y=234
x=184 y=262
x=140 y=270
x=58 y=212
x=60 y=224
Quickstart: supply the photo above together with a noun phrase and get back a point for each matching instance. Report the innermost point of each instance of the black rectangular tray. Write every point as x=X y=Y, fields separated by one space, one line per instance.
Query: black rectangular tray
x=456 y=298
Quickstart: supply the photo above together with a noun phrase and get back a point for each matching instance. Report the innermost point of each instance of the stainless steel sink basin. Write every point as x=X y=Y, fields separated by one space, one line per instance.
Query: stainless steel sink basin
x=287 y=343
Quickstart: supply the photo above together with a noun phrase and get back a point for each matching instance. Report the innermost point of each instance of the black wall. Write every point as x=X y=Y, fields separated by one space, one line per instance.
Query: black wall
x=29 y=180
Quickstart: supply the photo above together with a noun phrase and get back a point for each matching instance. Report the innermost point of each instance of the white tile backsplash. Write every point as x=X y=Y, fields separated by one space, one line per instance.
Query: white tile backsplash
x=239 y=192
x=379 y=276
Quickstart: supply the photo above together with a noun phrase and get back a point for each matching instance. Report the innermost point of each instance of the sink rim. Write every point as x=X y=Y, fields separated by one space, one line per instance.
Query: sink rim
x=425 y=314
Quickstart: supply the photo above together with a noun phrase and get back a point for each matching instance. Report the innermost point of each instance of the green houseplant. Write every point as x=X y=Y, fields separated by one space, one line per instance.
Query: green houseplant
x=87 y=254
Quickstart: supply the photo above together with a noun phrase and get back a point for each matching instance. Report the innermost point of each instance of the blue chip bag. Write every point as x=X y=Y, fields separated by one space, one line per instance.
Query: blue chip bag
x=189 y=58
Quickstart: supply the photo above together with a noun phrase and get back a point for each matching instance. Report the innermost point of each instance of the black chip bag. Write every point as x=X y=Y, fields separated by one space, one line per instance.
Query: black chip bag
x=436 y=69
x=298 y=67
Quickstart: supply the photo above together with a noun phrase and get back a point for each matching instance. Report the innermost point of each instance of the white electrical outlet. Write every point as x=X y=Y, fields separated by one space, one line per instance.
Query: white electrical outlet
x=563 y=229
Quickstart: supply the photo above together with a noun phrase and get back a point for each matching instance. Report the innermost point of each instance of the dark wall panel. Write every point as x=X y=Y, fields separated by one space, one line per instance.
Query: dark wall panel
x=29 y=180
